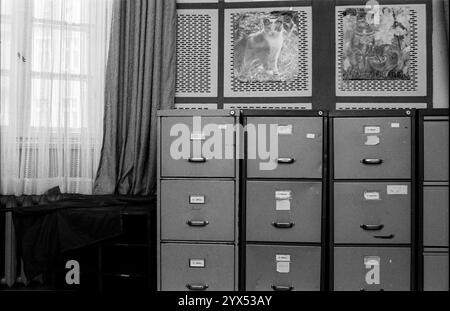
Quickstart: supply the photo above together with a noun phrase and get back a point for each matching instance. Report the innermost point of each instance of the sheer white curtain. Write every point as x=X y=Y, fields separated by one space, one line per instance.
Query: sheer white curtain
x=53 y=63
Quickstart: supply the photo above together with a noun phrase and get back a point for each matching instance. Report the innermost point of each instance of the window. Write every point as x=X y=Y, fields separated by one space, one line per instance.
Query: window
x=53 y=64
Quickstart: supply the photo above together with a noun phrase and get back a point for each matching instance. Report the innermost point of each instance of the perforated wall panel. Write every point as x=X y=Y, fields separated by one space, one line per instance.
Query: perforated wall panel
x=300 y=86
x=415 y=86
x=197 y=53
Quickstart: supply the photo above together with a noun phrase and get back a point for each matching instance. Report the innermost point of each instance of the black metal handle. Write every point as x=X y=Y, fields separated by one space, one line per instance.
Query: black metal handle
x=363 y=290
x=197 y=223
x=286 y=160
x=197 y=286
x=283 y=288
x=372 y=227
x=197 y=160
x=283 y=225
x=385 y=237
x=371 y=161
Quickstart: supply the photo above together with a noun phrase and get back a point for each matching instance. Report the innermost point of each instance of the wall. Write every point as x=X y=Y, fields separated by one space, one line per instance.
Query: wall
x=322 y=94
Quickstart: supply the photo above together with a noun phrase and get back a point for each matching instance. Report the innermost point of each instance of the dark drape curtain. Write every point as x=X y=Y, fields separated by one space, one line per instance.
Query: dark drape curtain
x=140 y=79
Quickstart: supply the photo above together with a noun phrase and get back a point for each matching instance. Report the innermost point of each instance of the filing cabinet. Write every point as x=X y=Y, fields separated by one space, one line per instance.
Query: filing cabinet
x=283 y=268
x=436 y=271
x=372 y=268
x=284 y=211
x=372 y=212
x=372 y=196
x=198 y=196
x=372 y=147
x=282 y=205
x=300 y=141
x=197 y=267
x=433 y=199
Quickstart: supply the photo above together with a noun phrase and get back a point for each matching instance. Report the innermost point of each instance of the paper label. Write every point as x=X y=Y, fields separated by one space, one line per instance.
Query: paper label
x=371 y=130
x=283 y=263
x=311 y=135
x=285 y=129
x=197 y=199
x=283 y=194
x=197 y=136
x=372 y=195
x=197 y=263
x=371 y=261
x=283 y=205
x=397 y=189
x=372 y=140
x=395 y=125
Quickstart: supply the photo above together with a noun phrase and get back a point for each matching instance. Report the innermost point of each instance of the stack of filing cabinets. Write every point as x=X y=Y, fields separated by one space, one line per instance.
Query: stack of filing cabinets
x=197 y=201
x=283 y=206
x=433 y=177
x=371 y=197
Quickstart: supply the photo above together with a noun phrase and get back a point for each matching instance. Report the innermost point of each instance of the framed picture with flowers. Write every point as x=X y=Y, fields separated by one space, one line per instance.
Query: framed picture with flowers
x=381 y=51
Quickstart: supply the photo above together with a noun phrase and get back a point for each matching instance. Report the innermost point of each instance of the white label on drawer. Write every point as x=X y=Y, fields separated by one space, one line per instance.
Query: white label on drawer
x=371 y=129
x=283 y=194
x=371 y=195
x=197 y=199
x=397 y=189
x=311 y=135
x=372 y=140
x=280 y=257
x=197 y=136
x=283 y=263
x=285 y=129
x=197 y=263
x=283 y=205
x=395 y=125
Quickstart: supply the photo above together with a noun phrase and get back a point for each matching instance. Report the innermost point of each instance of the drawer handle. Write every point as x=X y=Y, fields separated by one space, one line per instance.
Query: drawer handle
x=385 y=237
x=283 y=225
x=197 y=223
x=286 y=160
x=363 y=290
x=197 y=160
x=372 y=227
x=282 y=288
x=371 y=161
x=197 y=286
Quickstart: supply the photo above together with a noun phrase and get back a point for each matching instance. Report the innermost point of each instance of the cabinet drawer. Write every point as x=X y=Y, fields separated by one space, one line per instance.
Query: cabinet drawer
x=197 y=210
x=299 y=147
x=435 y=272
x=183 y=147
x=271 y=267
x=197 y=267
x=372 y=148
x=372 y=212
x=284 y=211
x=436 y=150
x=435 y=216
x=372 y=268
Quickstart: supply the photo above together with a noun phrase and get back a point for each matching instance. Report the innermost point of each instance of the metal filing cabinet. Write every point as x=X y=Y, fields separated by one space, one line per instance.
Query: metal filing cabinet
x=198 y=191
x=283 y=207
x=372 y=200
x=433 y=152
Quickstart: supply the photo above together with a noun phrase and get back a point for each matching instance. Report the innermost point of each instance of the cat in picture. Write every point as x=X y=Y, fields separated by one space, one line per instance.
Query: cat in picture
x=260 y=51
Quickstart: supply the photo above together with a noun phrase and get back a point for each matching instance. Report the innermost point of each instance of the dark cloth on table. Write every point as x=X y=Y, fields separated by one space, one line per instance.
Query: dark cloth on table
x=45 y=231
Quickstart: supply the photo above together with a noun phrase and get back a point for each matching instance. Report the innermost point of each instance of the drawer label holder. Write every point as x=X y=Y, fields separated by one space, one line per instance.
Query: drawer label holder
x=196 y=199
x=396 y=189
x=371 y=195
x=283 y=200
x=196 y=263
x=284 y=129
x=283 y=263
x=372 y=130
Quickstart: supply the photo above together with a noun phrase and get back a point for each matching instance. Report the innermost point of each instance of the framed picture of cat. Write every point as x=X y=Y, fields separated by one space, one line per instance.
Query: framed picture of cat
x=267 y=52
x=381 y=51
